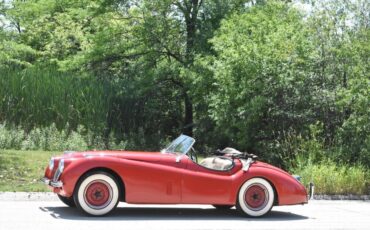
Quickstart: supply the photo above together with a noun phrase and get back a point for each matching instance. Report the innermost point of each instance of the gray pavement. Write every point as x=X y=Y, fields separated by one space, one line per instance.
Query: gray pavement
x=36 y=214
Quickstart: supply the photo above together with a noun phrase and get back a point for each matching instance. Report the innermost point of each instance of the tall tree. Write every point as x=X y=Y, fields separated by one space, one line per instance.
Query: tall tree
x=259 y=72
x=164 y=35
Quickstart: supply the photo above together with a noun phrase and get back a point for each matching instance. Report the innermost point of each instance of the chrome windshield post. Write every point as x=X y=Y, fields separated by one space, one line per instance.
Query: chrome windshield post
x=178 y=159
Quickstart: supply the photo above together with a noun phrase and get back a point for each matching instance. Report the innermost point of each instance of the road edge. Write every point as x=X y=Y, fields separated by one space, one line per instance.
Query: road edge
x=28 y=196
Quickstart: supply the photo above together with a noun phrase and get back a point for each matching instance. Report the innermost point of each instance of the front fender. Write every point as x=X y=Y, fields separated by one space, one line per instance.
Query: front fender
x=79 y=166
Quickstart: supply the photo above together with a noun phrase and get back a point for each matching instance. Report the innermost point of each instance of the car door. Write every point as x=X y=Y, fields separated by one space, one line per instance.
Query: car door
x=206 y=186
x=154 y=182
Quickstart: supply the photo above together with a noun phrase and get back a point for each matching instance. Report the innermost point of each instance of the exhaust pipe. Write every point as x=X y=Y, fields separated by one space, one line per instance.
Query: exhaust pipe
x=311 y=191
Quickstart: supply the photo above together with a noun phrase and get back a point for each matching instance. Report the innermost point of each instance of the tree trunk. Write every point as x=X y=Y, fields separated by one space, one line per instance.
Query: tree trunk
x=190 y=14
x=190 y=38
x=188 y=119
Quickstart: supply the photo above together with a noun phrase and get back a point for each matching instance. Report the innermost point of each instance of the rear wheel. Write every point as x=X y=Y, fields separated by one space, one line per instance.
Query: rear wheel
x=67 y=200
x=256 y=197
x=97 y=193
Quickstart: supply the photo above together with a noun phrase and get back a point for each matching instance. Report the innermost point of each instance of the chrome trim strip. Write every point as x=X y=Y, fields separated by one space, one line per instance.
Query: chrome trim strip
x=55 y=184
x=68 y=152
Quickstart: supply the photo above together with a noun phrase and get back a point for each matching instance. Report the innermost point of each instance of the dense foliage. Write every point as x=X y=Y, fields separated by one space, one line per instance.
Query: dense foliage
x=282 y=79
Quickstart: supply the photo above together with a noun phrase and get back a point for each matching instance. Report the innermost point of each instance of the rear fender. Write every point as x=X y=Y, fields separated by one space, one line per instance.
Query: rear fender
x=288 y=189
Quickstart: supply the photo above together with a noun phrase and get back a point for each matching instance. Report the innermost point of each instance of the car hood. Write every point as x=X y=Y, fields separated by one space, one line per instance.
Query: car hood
x=130 y=155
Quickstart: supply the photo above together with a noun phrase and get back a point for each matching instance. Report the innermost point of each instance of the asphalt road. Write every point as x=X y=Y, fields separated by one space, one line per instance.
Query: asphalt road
x=54 y=215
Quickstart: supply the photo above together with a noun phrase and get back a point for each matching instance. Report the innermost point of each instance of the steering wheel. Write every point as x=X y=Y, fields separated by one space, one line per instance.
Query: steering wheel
x=193 y=155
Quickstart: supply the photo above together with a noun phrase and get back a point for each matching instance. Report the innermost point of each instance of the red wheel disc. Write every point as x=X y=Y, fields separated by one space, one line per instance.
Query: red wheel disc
x=98 y=194
x=256 y=196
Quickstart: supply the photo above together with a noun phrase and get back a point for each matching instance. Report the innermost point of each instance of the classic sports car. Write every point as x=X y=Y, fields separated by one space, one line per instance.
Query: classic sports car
x=95 y=181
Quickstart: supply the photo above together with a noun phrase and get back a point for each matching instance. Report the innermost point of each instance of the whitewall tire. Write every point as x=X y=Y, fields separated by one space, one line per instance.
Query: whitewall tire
x=97 y=193
x=255 y=197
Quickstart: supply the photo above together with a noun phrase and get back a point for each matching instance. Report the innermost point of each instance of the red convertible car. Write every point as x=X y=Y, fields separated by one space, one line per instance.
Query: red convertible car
x=95 y=181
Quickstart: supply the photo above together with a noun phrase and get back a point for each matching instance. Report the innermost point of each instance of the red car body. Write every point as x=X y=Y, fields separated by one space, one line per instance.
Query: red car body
x=170 y=178
x=156 y=178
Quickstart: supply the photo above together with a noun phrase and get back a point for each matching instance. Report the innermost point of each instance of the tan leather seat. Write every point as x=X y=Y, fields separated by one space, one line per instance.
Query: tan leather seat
x=216 y=163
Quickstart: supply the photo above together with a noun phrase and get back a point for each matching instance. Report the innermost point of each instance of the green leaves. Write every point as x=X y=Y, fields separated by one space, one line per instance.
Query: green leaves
x=279 y=72
x=255 y=51
x=249 y=74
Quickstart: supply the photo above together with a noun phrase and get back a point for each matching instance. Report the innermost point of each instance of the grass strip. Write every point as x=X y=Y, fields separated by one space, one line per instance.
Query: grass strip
x=20 y=171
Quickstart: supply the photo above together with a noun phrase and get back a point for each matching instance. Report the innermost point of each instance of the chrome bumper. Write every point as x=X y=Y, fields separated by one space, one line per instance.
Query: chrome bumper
x=55 y=184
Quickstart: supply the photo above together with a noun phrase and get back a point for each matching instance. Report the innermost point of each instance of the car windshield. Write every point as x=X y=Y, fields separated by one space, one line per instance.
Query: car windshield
x=180 y=145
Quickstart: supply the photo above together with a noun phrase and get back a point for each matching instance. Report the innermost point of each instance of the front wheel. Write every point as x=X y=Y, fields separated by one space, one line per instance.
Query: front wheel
x=255 y=198
x=97 y=193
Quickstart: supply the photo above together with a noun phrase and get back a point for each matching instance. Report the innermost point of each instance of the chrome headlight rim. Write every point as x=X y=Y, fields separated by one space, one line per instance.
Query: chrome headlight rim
x=61 y=165
x=59 y=170
x=51 y=164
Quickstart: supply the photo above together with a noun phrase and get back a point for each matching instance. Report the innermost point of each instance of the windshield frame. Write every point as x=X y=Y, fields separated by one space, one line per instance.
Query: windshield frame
x=177 y=142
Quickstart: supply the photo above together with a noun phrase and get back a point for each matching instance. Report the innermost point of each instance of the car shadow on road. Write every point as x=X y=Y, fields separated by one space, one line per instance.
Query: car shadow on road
x=159 y=213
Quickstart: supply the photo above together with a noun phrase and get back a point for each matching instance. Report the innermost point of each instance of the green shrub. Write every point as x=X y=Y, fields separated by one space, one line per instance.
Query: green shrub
x=75 y=141
x=294 y=148
x=52 y=139
x=48 y=138
x=315 y=162
x=11 y=138
x=34 y=140
x=39 y=96
x=332 y=178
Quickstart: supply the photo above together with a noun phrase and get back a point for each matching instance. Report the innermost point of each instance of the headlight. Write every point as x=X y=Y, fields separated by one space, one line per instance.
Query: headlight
x=61 y=165
x=51 y=164
x=59 y=170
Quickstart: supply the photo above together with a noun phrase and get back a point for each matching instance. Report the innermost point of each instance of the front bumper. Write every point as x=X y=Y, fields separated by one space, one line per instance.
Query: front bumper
x=54 y=184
